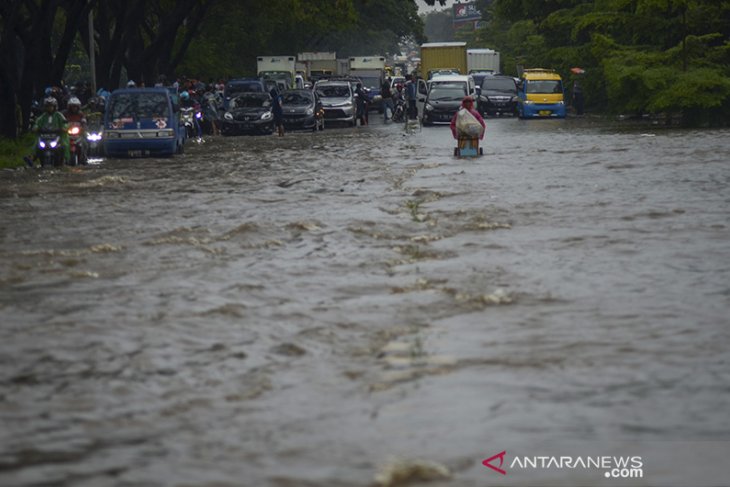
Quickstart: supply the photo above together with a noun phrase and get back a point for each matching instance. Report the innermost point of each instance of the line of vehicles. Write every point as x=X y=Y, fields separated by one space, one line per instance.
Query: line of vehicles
x=319 y=89
x=450 y=72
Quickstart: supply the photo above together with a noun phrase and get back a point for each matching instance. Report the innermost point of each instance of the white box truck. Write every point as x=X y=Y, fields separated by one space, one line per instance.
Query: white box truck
x=319 y=64
x=281 y=69
x=482 y=60
x=371 y=71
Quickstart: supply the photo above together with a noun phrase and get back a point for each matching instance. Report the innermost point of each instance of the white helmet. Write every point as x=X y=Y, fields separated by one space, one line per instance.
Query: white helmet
x=131 y=84
x=50 y=101
x=74 y=101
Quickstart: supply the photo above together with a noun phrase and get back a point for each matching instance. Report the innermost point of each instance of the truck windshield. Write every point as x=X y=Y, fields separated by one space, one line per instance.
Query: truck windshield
x=370 y=82
x=544 y=86
x=138 y=105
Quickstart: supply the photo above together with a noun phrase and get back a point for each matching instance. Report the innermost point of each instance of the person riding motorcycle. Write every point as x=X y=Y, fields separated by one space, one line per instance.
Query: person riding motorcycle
x=51 y=120
x=74 y=114
x=187 y=101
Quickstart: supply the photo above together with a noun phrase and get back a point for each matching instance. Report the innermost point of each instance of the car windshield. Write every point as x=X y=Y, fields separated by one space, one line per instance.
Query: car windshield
x=333 y=91
x=544 y=86
x=447 y=91
x=251 y=100
x=499 y=84
x=234 y=89
x=297 y=99
x=138 y=105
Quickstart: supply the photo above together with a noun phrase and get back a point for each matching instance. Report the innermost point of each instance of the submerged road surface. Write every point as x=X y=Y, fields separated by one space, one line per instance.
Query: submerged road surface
x=357 y=307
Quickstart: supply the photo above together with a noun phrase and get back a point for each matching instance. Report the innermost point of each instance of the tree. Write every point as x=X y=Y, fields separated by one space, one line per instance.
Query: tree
x=33 y=53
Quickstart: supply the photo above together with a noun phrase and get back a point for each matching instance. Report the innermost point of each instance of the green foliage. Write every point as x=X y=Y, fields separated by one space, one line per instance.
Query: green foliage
x=13 y=150
x=639 y=56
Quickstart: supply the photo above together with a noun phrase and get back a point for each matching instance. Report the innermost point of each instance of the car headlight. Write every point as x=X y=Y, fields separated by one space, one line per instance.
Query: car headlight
x=266 y=116
x=529 y=102
x=310 y=111
x=429 y=107
x=42 y=144
x=54 y=143
x=228 y=116
x=93 y=136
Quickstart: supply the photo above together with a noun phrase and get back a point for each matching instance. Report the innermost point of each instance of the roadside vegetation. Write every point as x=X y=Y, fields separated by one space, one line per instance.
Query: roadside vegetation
x=668 y=58
x=13 y=150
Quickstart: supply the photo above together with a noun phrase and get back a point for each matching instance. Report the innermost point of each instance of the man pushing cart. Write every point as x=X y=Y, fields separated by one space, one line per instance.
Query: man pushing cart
x=468 y=128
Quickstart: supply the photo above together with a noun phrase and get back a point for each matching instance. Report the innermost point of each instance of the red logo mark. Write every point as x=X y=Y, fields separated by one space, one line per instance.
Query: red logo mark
x=487 y=463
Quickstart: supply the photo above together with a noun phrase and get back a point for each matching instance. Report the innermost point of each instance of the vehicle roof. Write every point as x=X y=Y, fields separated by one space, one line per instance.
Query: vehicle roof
x=333 y=82
x=451 y=77
x=244 y=80
x=444 y=44
x=540 y=74
x=141 y=90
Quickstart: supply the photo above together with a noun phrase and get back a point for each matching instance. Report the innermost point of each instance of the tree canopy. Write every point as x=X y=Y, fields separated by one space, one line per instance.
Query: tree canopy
x=204 y=38
x=639 y=56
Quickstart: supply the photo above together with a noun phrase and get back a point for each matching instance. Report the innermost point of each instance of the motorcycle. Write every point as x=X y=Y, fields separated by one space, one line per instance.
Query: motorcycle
x=77 y=144
x=93 y=139
x=192 y=117
x=186 y=117
x=399 y=110
x=49 y=149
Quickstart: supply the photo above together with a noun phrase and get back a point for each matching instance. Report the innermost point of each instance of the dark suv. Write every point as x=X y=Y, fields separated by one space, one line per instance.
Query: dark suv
x=498 y=95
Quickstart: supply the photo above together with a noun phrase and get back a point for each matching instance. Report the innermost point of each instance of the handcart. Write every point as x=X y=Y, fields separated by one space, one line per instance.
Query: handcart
x=468 y=147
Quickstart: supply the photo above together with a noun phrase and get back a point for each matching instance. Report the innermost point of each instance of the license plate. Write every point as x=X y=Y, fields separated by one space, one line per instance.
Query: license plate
x=137 y=153
x=545 y=113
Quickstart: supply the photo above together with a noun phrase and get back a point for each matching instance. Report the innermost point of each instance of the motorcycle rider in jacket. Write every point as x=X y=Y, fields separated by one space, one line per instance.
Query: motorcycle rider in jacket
x=52 y=120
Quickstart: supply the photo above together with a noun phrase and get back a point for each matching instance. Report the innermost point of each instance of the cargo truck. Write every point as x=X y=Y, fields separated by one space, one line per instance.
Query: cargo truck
x=371 y=71
x=318 y=64
x=281 y=69
x=482 y=60
x=443 y=58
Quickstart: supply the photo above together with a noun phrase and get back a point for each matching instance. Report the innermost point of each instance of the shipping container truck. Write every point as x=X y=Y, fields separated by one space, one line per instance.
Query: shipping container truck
x=443 y=58
x=281 y=69
x=371 y=71
x=482 y=60
x=319 y=64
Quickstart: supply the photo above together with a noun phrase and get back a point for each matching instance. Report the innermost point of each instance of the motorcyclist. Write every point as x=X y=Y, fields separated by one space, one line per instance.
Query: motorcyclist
x=187 y=101
x=51 y=120
x=74 y=114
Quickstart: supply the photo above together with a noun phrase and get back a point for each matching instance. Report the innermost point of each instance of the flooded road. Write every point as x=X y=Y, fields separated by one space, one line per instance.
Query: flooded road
x=312 y=310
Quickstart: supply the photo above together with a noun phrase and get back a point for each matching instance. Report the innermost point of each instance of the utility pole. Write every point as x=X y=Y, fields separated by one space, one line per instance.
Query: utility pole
x=92 y=51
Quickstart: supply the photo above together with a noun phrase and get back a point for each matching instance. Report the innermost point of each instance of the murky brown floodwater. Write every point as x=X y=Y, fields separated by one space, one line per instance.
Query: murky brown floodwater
x=303 y=311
